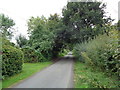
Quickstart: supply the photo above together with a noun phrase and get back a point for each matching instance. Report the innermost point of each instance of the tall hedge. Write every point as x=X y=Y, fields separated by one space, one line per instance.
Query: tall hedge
x=12 y=60
x=102 y=52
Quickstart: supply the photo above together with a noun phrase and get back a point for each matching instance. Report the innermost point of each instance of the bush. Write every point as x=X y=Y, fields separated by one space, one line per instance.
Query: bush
x=12 y=60
x=33 y=56
x=102 y=52
x=30 y=56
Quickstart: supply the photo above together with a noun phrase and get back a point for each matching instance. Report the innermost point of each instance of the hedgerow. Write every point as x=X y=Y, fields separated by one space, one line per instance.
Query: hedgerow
x=102 y=52
x=12 y=60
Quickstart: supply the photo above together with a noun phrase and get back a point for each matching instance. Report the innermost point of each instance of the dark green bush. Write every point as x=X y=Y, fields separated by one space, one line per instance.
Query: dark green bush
x=32 y=56
x=12 y=60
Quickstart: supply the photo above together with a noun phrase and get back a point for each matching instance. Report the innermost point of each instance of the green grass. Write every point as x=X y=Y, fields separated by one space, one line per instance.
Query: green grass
x=0 y=84
x=28 y=70
x=87 y=77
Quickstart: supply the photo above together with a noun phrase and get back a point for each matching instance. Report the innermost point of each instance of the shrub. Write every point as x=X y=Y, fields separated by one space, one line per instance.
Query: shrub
x=32 y=56
x=102 y=52
x=12 y=60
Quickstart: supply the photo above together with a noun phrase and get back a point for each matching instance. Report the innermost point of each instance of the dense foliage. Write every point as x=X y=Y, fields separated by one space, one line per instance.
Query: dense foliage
x=41 y=39
x=45 y=35
x=88 y=77
x=102 y=52
x=6 y=25
x=85 y=20
x=12 y=56
x=12 y=60
x=33 y=56
x=50 y=36
x=30 y=55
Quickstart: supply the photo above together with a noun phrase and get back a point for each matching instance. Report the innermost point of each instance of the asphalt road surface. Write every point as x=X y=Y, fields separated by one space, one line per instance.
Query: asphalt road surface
x=58 y=75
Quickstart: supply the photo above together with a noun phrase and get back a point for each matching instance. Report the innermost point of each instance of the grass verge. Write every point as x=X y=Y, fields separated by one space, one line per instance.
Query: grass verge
x=28 y=70
x=87 y=77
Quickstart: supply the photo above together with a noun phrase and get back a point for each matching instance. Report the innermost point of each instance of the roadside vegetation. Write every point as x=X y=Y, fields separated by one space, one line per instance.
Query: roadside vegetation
x=83 y=28
x=98 y=65
x=89 y=77
x=102 y=52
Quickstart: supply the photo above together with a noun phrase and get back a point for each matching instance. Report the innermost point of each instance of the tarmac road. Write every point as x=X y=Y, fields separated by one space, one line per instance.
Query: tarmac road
x=58 y=75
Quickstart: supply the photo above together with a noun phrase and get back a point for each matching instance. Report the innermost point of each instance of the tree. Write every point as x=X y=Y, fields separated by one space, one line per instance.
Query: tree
x=45 y=34
x=21 y=41
x=83 y=18
x=41 y=38
x=56 y=25
x=6 y=25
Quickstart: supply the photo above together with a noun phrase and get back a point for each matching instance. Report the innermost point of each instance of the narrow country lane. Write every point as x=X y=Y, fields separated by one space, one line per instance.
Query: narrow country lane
x=58 y=75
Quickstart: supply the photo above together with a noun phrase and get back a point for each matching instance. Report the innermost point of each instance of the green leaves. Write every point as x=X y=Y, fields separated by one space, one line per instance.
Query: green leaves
x=82 y=18
x=42 y=34
x=101 y=52
x=30 y=55
x=88 y=77
x=47 y=34
x=6 y=25
x=12 y=60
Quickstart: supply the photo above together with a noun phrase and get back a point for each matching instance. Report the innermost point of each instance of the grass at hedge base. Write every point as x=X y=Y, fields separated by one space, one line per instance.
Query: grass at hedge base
x=0 y=84
x=87 y=77
x=28 y=70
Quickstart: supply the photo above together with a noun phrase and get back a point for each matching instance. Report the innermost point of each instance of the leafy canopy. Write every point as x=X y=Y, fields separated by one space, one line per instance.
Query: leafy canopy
x=6 y=25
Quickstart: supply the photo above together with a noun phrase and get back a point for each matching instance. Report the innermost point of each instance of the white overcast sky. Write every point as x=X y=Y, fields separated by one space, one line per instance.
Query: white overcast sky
x=21 y=10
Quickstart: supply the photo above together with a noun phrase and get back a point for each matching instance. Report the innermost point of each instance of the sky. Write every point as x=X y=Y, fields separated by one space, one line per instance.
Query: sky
x=21 y=10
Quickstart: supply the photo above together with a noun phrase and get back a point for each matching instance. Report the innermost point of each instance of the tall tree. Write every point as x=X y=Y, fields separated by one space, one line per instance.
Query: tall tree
x=60 y=31
x=46 y=34
x=6 y=25
x=83 y=17
x=41 y=39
